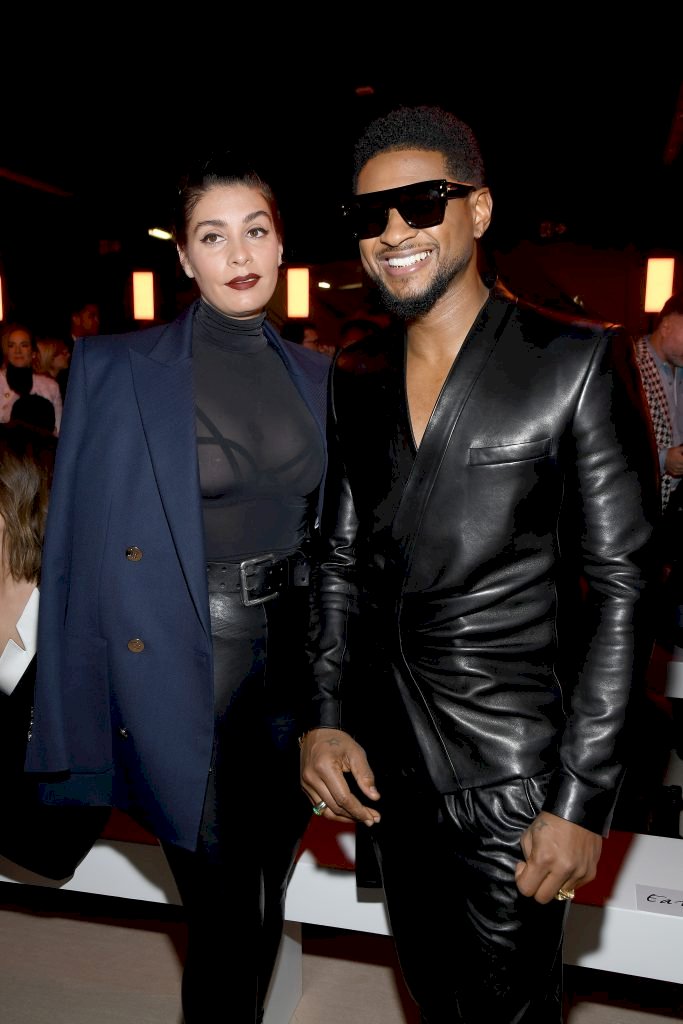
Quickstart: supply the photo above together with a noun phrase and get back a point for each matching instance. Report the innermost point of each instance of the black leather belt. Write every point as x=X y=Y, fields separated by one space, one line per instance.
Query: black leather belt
x=259 y=579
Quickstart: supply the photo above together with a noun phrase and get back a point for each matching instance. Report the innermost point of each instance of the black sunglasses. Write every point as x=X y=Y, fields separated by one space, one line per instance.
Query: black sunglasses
x=421 y=205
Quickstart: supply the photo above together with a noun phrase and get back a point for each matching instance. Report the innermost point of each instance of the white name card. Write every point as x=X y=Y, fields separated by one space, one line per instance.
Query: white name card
x=658 y=900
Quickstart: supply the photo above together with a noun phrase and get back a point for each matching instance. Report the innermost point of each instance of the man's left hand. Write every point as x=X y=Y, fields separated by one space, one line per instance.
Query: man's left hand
x=559 y=855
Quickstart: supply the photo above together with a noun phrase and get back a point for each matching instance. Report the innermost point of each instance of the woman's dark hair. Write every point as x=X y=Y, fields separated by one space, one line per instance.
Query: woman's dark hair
x=427 y=128
x=34 y=411
x=26 y=467
x=225 y=168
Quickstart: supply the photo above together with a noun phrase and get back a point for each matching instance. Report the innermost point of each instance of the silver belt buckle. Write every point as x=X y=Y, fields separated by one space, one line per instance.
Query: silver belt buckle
x=244 y=580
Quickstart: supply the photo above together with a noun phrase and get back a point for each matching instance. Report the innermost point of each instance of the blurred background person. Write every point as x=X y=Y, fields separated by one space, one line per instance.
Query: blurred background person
x=85 y=320
x=45 y=839
x=176 y=596
x=34 y=411
x=660 y=361
x=26 y=463
x=52 y=358
x=18 y=376
x=293 y=330
x=25 y=473
x=355 y=329
x=305 y=333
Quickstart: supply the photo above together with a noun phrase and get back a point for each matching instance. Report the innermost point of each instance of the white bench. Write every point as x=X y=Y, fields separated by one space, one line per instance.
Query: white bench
x=612 y=934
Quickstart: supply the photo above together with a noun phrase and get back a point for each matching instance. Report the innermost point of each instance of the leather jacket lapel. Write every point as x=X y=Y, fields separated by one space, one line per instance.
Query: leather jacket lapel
x=462 y=377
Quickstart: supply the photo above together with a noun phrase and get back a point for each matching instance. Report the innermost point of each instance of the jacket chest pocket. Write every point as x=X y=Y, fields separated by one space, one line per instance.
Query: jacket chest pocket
x=505 y=454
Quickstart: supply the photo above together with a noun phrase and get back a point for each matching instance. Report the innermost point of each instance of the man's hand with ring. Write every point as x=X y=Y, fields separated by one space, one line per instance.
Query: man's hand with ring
x=326 y=756
x=559 y=857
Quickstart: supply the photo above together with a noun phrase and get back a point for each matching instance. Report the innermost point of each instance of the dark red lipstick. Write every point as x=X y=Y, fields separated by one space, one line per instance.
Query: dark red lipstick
x=243 y=283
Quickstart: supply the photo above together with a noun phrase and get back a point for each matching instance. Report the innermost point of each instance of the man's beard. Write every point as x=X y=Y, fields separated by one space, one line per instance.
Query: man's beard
x=409 y=307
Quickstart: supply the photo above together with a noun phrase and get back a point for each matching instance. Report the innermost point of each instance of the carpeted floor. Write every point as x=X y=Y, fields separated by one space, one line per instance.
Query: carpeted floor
x=69 y=958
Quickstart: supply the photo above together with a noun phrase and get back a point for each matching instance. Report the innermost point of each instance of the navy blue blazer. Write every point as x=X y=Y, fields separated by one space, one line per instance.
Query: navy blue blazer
x=133 y=727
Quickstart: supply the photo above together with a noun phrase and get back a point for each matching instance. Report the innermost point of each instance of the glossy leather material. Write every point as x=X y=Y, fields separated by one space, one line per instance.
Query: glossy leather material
x=259 y=579
x=233 y=886
x=471 y=947
x=506 y=620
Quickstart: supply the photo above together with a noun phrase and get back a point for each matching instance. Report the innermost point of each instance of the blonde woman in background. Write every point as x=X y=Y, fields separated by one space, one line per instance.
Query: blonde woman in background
x=52 y=357
x=18 y=376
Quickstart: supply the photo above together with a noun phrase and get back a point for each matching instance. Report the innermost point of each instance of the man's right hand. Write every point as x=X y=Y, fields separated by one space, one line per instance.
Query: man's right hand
x=326 y=755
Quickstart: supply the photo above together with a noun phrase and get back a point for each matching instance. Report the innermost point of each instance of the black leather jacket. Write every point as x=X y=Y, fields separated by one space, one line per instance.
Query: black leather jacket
x=499 y=601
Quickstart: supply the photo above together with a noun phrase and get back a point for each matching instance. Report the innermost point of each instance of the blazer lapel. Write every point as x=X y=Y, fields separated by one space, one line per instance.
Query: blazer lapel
x=164 y=389
x=311 y=383
x=467 y=367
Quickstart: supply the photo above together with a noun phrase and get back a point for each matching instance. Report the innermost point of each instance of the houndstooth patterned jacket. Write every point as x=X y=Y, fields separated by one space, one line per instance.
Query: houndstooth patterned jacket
x=658 y=405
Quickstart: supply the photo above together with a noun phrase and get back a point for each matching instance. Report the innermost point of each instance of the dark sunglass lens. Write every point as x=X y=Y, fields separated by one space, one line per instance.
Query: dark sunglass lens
x=368 y=219
x=423 y=209
x=421 y=206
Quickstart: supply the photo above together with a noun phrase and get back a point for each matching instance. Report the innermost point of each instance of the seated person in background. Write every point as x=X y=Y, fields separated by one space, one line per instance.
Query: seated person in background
x=355 y=329
x=26 y=461
x=660 y=358
x=85 y=320
x=660 y=361
x=34 y=411
x=17 y=376
x=52 y=358
x=48 y=840
x=305 y=333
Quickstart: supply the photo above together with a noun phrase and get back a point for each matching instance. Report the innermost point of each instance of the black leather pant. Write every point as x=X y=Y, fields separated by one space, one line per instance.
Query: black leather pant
x=233 y=887
x=471 y=947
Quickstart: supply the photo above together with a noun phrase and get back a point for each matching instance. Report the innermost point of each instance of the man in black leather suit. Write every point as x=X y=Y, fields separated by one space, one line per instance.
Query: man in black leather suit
x=476 y=632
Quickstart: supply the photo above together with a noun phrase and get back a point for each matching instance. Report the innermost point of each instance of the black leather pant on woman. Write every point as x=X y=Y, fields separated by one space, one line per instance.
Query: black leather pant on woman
x=471 y=947
x=233 y=886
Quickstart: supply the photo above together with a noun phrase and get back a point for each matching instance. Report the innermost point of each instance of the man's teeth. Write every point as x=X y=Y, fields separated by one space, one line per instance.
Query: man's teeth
x=407 y=261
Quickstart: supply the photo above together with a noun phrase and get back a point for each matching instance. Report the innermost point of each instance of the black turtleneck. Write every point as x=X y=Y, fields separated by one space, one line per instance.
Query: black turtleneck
x=19 y=379
x=260 y=451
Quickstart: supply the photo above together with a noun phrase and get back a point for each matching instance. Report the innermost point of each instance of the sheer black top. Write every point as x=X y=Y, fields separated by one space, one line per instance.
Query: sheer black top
x=260 y=451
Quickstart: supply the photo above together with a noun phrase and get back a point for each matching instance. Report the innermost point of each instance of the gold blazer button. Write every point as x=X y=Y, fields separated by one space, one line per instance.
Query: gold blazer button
x=133 y=554
x=136 y=645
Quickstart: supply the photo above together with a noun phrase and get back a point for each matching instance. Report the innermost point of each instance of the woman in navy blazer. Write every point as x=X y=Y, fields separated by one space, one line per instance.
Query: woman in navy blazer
x=174 y=599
